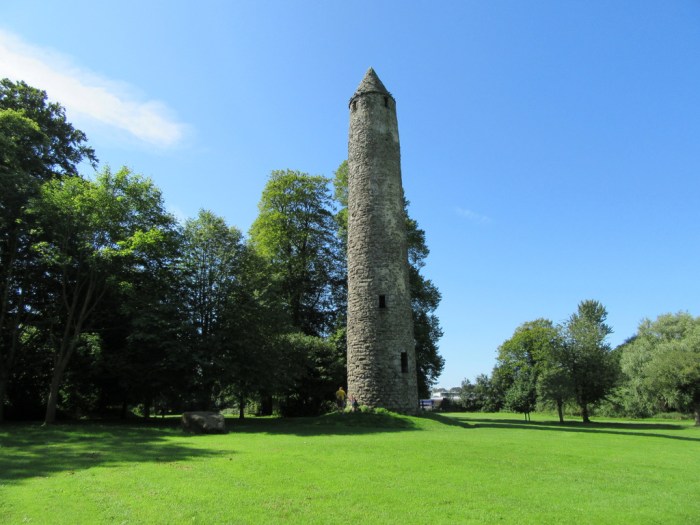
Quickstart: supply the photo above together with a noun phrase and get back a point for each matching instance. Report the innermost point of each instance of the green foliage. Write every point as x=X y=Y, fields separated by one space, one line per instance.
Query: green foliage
x=592 y=368
x=483 y=395
x=525 y=363
x=90 y=237
x=529 y=347
x=36 y=145
x=295 y=232
x=232 y=316
x=550 y=365
x=212 y=254
x=53 y=147
x=521 y=396
x=662 y=364
x=553 y=384
x=295 y=236
x=105 y=299
x=340 y=193
x=314 y=372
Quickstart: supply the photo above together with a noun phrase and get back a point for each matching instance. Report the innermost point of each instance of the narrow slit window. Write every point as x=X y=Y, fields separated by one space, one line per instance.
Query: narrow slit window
x=404 y=362
x=382 y=301
x=386 y=102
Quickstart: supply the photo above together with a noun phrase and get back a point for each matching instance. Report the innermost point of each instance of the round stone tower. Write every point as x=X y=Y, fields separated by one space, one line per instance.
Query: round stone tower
x=381 y=347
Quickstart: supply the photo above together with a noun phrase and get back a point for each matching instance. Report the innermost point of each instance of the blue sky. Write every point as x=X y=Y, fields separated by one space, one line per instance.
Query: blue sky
x=550 y=149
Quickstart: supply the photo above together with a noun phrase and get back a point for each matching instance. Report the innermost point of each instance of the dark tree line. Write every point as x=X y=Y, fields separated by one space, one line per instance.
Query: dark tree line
x=107 y=303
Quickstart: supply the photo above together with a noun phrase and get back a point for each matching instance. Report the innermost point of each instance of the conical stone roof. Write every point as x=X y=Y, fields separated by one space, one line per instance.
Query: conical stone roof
x=370 y=84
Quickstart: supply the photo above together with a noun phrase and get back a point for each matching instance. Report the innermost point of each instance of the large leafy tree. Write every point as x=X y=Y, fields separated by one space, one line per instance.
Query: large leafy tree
x=255 y=364
x=425 y=296
x=212 y=257
x=142 y=328
x=591 y=368
x=553 y=385
x=522 y=394
x=37 y=144
x=662 y=363
x=90 y=236
x=295 y=231
x=522 y=360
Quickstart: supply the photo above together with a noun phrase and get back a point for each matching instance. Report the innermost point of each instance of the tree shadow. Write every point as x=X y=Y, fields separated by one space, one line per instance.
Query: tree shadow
x=446 y=420
x=603 y=427
x=345 y=424
x=30 y=450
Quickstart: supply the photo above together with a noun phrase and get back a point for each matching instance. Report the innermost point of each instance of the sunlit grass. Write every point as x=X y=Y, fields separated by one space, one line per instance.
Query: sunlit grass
x=366 y=468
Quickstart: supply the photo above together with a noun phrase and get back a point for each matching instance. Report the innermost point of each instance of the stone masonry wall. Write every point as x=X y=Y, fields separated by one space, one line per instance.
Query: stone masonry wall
x=380 y=326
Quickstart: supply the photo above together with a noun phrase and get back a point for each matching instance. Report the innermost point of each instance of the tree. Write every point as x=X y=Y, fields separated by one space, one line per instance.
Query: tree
x=143 y=330
x=522 y=361
x=62 y=147
x=522 y=395
x=295 y=232
x=586 y=358
x=662 y=363
x=526 y=349
x=89 y=236
x=315 y=371
x=486 y=396
x=254 y=365
x=17 y=133
x=553 y=383
x=212 y=257
x=467 y=396
x=234 y=314
x=37 y=143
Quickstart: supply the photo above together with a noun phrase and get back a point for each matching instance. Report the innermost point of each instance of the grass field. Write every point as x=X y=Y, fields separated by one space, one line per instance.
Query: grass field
x=354 y=468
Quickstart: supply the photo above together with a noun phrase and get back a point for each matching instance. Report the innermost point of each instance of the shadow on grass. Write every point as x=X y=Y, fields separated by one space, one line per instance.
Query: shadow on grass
x=30 y=450
x=604 y=427
x=329 y=424
x=446 y=420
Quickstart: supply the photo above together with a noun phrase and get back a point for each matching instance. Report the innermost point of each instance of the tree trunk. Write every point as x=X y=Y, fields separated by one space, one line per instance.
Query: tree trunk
x=53 y=393
x=77 y=311
x=7 y=360
x=266 y=405
x=696 y=411
x=584 y=413
x=560 y=410
x=241 y=408
x=65 y=352
x=3 y=393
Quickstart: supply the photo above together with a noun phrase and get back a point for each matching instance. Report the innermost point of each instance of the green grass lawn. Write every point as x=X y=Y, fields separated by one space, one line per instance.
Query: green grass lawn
x=354 y=468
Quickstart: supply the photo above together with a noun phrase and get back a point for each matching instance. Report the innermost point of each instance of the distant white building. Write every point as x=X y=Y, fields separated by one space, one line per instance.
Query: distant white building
x=436 y=399
x=437 y=395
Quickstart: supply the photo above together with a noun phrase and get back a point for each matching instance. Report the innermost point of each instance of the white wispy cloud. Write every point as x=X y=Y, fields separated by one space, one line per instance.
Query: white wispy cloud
x=473 y=216
x=85 y=93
